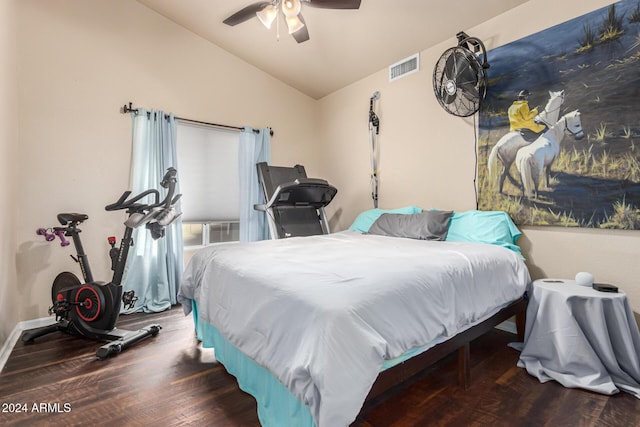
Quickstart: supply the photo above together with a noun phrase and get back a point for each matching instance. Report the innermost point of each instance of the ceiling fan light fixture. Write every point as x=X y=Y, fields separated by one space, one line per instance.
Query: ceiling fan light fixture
x=291 y=8
x=268 y=11
x=294 y=24
x=267 y=15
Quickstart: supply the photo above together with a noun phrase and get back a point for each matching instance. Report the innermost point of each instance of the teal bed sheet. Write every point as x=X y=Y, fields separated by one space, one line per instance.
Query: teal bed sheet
x=275 y=402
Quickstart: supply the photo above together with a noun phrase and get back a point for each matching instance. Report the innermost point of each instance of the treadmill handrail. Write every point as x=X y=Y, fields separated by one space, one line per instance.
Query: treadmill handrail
x=302 y=181
x=299 y=184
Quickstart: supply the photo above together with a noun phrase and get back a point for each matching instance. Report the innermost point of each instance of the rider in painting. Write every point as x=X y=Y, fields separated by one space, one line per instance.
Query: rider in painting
x=521 y=117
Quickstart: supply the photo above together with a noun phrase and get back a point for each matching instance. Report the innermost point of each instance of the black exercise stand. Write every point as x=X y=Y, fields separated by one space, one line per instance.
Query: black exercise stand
x=91 y=309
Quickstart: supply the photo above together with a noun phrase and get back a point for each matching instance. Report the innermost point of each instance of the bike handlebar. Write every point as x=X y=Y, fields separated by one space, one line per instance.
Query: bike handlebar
x=168 y=181
x=169 y=178
x=156 y=215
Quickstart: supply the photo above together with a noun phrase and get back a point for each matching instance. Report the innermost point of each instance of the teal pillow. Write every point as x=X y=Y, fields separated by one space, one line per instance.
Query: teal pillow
x=492 y=227
x=365 y=220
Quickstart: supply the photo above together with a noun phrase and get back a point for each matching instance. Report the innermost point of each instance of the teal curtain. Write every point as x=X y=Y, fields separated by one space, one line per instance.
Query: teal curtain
x=154 y=267
x=255 y=147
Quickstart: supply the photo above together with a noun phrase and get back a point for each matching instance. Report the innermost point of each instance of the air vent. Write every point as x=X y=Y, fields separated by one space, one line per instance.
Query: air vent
x=405 y=67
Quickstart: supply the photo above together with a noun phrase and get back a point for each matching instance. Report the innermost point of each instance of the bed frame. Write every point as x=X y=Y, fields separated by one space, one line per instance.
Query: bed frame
x=406 y=373
x=403 y=372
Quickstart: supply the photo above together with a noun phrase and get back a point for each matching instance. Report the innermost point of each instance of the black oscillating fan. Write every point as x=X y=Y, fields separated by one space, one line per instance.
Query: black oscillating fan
x=459 y=78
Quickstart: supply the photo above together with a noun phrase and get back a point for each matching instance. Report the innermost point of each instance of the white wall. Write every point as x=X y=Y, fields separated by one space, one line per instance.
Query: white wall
x=10 y=293
x=427 y=156
x=80 y=61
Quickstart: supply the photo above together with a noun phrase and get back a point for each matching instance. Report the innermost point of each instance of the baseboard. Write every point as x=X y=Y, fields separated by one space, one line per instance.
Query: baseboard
x=15 y=334
x=508 y=326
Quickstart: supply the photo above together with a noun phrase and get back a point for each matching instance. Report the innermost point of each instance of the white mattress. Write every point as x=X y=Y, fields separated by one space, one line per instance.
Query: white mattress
x=323 y=313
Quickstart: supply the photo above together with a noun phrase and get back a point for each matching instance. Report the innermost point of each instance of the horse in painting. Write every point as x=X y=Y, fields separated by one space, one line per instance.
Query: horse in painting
x=507 y=147
x=538 y=156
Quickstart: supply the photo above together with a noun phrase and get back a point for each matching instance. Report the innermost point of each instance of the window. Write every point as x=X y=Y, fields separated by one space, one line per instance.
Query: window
x=195 y=234
x=209 y=183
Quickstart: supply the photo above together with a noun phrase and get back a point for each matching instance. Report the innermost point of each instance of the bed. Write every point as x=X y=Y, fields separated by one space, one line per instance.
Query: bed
x=313 y=326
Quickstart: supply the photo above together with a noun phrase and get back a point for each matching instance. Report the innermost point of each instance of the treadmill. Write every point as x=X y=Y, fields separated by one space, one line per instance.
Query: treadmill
x=295 y=204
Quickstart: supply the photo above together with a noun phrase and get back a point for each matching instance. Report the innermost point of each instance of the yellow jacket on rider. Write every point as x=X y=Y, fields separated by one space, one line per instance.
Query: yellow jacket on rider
x=520 y=117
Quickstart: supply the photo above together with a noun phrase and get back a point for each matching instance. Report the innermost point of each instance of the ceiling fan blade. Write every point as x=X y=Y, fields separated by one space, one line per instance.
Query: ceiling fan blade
x=334 y=4
x=302 y=35
x=246 y=13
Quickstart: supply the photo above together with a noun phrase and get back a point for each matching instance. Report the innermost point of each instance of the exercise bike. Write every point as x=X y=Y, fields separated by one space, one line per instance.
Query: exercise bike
x=91 y=308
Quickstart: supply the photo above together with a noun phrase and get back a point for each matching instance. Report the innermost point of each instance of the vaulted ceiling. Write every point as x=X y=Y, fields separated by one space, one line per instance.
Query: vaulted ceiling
x=344 y=46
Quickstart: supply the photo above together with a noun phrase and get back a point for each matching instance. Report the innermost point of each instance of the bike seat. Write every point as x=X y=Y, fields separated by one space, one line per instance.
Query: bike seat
x=66 y=218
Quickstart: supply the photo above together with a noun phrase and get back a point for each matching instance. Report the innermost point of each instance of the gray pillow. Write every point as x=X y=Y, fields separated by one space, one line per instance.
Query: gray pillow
x=428 y=225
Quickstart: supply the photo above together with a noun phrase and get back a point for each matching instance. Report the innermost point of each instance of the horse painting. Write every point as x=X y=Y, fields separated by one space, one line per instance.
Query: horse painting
x=532 y=159
x=507 y=147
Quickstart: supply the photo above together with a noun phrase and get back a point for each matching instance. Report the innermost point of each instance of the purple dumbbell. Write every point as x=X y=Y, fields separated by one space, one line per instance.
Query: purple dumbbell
x=60 y=234
x=43 y=232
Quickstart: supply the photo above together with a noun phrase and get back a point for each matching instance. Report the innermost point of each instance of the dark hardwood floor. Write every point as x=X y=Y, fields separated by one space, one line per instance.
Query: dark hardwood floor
x=168 y=380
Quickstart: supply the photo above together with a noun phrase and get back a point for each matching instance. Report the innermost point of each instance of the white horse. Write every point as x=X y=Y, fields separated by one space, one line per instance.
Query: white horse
x=507 y=147
x=532 y=159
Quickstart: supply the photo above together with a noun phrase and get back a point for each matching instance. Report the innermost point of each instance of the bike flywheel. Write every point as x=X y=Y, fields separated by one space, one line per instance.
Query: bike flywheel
x=63 y=281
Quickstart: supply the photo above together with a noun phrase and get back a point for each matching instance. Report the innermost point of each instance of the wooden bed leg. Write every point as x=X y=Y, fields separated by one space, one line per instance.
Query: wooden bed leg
x=521 y=321
x=464 y=366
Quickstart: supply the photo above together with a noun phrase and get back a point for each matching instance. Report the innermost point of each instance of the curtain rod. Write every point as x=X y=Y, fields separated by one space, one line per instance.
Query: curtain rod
x=130 y=109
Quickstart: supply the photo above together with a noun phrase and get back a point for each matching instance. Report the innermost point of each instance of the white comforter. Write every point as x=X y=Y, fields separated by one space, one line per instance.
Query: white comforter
x=323 y=313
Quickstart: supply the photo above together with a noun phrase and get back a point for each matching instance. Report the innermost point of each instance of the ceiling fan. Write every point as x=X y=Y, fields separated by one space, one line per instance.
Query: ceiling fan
x=267 y=12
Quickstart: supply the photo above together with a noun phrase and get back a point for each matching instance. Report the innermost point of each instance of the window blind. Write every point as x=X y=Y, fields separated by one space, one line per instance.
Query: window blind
x=208 y=173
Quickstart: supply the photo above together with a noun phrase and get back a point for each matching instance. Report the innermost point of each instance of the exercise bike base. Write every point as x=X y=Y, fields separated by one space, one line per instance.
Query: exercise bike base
x=60 y=326
x=122 y=339
x=119 y=339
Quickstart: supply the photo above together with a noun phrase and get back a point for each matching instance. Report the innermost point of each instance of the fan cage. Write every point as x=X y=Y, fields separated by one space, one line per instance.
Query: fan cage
x=449 y=93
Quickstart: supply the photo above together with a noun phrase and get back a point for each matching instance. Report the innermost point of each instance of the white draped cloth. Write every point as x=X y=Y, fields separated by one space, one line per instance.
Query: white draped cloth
x=582 y=338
